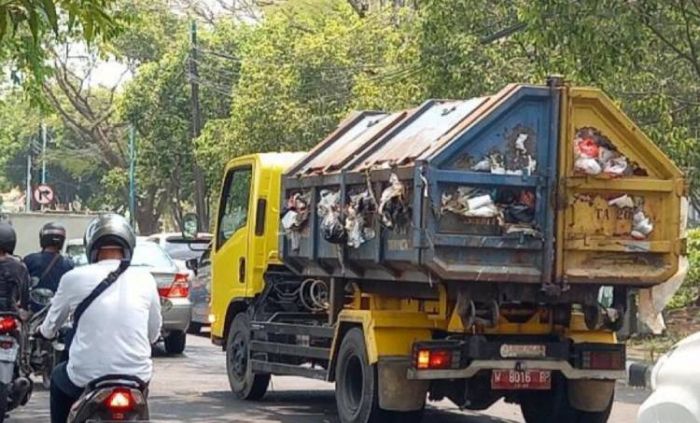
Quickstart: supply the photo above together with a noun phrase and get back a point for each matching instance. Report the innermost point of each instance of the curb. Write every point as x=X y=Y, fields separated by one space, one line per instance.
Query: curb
x=639 y=374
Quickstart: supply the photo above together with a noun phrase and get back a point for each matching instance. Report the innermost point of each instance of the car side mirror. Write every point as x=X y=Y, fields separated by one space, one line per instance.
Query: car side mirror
x=192 y=264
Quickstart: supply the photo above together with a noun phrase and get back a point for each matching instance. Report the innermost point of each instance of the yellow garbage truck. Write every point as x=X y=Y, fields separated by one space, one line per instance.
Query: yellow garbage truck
x=470 y=250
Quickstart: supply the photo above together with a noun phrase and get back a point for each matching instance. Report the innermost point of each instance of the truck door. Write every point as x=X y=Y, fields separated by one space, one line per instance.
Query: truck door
x=230 y=249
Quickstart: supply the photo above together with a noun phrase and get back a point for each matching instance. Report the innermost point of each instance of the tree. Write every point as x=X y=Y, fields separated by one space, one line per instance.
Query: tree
x=26 y=25
x=645 y=53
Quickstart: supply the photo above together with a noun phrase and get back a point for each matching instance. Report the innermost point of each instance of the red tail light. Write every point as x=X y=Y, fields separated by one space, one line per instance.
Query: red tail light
x=603 y=360
x=120 y=401
x=179 y=289
x=427 y=359
x=7 y=324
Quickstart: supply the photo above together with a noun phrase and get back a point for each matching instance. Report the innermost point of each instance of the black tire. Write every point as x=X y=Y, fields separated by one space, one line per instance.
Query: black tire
x=357 y=386
x=175 y=342
x=195 y=328
x=244 y=383
x=4 y=401
x=553 y=407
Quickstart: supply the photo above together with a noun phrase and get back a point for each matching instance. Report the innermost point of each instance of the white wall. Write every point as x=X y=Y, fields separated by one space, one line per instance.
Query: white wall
x=27 y=226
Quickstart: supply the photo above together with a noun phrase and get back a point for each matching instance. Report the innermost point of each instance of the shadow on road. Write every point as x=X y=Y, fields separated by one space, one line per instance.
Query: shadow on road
x=313 y=406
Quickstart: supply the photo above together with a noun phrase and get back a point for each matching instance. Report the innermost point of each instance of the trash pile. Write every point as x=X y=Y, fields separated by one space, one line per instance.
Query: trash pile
x=641 y=224
x=595 y=154
x=352 y=225
x=358 y=215
x=328 y=209
x=295 y=217
x=519 y=160
x=392 y=203
x=513 y=210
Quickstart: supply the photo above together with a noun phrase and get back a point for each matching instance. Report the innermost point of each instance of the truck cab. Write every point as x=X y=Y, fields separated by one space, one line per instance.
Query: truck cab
x=246 y=239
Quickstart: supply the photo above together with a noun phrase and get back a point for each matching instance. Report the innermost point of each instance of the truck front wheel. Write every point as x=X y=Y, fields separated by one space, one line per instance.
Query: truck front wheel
x=357 y=386
x=244 y=383
x=553 y=406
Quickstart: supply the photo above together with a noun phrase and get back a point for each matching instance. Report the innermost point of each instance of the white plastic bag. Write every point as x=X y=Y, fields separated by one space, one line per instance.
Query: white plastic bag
x=616 y=166
x=588 y=165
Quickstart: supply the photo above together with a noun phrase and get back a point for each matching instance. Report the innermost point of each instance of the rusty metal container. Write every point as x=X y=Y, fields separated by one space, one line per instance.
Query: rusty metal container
x=547 y=185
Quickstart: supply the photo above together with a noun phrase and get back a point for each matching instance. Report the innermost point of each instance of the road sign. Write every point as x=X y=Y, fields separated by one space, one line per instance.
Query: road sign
x=43 y=194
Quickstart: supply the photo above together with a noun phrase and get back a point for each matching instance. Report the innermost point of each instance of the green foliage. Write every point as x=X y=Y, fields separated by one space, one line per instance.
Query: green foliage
x=25 y=26
x=689 y=293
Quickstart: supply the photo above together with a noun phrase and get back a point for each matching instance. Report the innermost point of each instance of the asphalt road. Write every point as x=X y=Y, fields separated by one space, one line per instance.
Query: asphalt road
x=193 y=388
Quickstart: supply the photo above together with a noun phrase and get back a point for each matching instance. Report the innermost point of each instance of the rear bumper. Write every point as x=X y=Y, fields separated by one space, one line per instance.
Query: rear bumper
x=474 y=354
x=177 y=314
x=478 y=365
x=200 y=313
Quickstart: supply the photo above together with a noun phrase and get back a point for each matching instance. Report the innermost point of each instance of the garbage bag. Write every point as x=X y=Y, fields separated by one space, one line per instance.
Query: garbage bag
x=588 y=165
x=391 y=203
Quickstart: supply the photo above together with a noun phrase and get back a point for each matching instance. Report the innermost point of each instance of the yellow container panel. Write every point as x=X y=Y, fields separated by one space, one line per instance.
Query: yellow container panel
x=619 y=214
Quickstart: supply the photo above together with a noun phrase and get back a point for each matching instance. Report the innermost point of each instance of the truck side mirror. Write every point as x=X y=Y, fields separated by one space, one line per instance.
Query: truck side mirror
x=190 y=226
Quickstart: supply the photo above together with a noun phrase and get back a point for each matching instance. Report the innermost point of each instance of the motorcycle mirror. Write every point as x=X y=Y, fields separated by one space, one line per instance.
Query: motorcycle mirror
x=41 y=296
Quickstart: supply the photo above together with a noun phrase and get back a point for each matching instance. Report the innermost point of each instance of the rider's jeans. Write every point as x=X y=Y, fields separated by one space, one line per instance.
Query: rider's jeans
x=64 y=394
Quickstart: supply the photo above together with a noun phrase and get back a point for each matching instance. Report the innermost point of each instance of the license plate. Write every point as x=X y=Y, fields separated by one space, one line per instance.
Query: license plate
x=521 y=379
x=10 y=353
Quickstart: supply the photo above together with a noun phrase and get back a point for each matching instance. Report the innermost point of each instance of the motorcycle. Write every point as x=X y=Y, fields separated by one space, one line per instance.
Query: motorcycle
x=43 y=354
x=112 y=398
x=15 y=388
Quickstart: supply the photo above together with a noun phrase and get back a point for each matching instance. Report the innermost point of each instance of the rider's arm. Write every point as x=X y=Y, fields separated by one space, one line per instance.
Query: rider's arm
x=24 y=283
x=58 y=312
x=155 y=319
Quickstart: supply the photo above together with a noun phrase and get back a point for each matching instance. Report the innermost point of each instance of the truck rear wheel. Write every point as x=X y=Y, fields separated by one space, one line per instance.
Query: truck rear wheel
x=357 y=386
x=553 y=406
x=244 y=383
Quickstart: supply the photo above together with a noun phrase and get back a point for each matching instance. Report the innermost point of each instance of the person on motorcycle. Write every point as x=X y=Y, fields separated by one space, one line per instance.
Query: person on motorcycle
x=48 y=265
x=14 y=278
x=115 y=333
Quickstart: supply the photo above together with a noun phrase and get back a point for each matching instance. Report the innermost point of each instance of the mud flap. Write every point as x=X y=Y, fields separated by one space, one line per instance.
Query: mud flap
x=396 y=392
x=590 y=395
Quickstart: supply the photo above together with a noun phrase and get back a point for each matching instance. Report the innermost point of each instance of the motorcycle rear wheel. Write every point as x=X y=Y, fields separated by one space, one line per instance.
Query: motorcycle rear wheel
x=4 y=393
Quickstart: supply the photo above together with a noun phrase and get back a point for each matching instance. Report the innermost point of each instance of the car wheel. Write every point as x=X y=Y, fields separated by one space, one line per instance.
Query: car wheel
x=175 y=342
x=244 y=383
x=195 y=328
x=553 y=407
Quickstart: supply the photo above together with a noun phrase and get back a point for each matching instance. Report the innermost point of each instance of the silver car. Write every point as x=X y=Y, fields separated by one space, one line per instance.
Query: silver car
x=173 y=287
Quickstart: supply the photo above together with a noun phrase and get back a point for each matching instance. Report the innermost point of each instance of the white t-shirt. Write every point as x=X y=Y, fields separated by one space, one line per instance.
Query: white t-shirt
x=116 y=331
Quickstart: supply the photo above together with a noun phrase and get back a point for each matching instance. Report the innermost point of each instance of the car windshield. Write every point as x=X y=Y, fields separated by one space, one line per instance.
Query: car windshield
x=186 y=251
x=151 y=255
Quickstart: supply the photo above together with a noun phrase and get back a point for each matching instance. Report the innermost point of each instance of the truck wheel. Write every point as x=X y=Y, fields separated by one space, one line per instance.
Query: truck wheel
x=357 y=386
x=553 y=407
x=244 y=383
x=175 y=342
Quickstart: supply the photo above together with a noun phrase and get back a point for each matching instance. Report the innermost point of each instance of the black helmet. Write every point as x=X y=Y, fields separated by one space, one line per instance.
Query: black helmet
x=52 y=235
x=109 y=230
x=8 y=238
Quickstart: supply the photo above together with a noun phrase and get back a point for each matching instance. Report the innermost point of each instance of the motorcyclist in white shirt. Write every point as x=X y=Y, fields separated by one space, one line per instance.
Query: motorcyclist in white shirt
x=116 y=330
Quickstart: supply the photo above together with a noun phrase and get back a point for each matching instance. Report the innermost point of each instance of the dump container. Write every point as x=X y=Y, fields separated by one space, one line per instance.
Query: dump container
x=547 y=185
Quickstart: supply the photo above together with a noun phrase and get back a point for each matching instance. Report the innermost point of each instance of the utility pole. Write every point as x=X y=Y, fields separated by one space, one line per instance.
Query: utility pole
x=199 y=200
x=43 y=153
x=28 y=193
x=132 y=176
